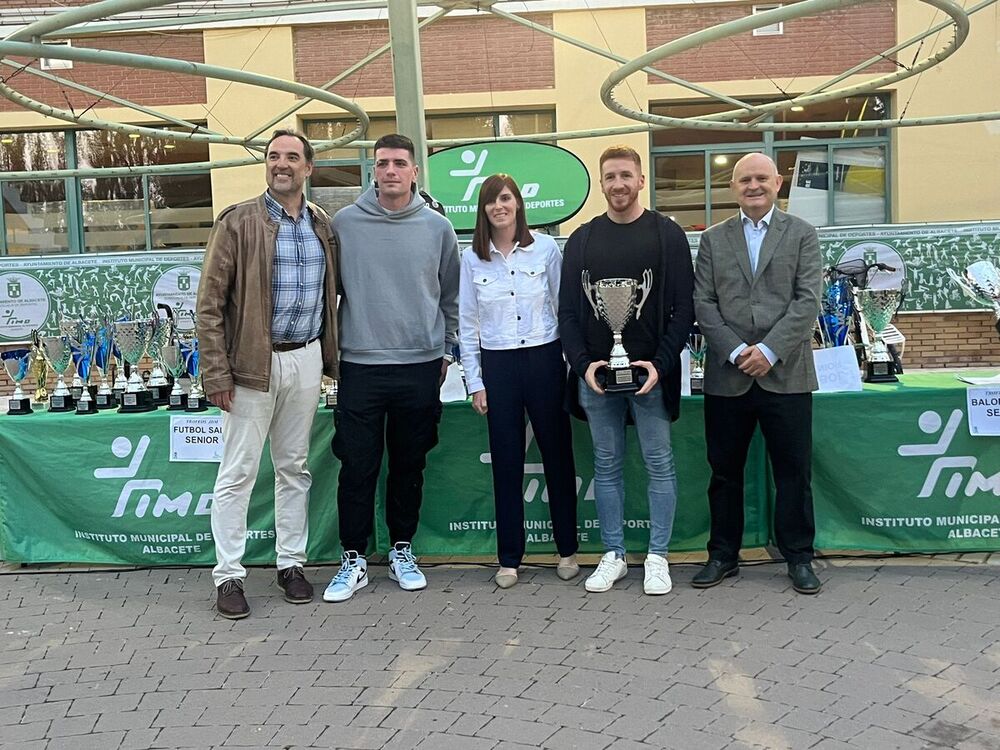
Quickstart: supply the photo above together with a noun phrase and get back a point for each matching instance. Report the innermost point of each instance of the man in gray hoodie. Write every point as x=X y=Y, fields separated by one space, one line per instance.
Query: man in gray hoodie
x=399 y=270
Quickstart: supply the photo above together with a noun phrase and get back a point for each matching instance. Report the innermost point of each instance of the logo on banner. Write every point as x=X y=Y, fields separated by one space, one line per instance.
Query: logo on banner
x=24 y=306
x=184 y=282
x=145 y=496
x=945 y=469
x=14 y=288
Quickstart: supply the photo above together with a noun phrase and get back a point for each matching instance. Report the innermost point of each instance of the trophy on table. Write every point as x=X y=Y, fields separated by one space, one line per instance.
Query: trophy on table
x=697 y=348
x=173 y=360
x=614 y=301
x=330 y=395
x=86 y=403
x=158 y=385
x=16 y=363
x=877 y=307
x=981 y=282
x=103 y=354
x=59 y=353
x=73 y=331
x=196 y=400
x=133 y=338
x=836 y=311
x=39 y=369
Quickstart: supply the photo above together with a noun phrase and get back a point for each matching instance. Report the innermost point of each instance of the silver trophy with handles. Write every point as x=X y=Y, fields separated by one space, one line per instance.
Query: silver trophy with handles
x=615 y=301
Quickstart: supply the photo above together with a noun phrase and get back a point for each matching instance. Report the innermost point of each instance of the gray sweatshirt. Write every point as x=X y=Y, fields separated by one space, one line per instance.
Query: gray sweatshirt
x=399 y=275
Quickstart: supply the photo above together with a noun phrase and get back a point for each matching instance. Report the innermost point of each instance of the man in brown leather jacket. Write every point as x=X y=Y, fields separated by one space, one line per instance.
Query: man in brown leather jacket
x=267 y=329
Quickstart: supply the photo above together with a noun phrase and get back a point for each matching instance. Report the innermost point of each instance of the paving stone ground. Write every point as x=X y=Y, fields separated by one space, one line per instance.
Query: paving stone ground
x=897 y=653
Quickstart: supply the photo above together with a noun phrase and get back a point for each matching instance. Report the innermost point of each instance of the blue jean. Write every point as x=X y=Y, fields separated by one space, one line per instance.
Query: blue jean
x=606 y=416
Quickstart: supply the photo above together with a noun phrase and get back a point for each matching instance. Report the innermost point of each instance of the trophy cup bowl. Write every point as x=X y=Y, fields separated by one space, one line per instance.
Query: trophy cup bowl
x=698 y=348
x=614 y=301
x=16 y=363
x=878 y=306
x=158 y=385
x=73 y=330
x=133 y=337
x=58 y=353
x=981 y=282
x=86 y=403
x=173 y=361
x=837 y=307
x=103 y=354
x=196 y=395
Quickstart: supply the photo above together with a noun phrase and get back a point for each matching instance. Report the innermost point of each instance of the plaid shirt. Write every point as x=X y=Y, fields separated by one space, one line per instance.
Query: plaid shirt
x=298 y=278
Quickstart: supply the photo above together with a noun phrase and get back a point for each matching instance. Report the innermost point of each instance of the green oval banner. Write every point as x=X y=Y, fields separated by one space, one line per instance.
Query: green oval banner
x=554 y=182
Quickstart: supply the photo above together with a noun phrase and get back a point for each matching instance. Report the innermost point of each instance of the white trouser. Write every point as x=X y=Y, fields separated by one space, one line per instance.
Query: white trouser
x=285 y=414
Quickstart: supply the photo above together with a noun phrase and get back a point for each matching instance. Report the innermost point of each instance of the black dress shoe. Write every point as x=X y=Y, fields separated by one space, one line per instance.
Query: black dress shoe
x=803 y=579
x=293 y=582
x=230 y=600
x=714 y=572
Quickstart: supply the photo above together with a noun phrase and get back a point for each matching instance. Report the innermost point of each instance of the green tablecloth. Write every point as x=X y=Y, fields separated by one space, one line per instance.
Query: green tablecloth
x=895 y=468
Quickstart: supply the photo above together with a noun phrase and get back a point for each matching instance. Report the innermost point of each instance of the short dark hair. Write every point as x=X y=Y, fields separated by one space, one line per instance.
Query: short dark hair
x=395 y=140
x=488 y=192
x=621 y=152
x=307 y=149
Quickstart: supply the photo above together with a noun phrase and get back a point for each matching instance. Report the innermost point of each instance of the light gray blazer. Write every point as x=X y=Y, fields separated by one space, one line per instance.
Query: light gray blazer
x=776 y=306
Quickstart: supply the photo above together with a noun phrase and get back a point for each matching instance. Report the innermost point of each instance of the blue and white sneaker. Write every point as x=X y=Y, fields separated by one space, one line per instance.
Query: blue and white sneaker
x=353 y=575
x=403 y=568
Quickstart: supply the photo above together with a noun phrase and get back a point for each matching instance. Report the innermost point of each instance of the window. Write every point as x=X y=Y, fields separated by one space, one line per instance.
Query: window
x=692 y=168
x=55 y=63
x=102 y=214
x=774 y=29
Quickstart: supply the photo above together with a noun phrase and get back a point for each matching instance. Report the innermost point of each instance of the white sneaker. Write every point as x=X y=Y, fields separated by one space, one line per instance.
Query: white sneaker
x=403 y=568
x=657 y=580
x=353 y=575
x=611 y=568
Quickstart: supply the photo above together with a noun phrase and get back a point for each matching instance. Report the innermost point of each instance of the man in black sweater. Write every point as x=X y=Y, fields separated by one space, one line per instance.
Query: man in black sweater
x=626 y=242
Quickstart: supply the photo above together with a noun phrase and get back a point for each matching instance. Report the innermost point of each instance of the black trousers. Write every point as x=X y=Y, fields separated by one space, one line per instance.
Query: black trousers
x=786 y=422
x=532 y=380
x=384 y=407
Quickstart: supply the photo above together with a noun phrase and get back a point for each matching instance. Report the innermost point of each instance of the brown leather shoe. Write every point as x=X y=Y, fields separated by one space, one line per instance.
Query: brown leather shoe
x=297 y=589
x=230 y=601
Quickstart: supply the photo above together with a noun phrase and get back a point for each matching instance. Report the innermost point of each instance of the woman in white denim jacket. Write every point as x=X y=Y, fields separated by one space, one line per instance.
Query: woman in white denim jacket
x=509 y=339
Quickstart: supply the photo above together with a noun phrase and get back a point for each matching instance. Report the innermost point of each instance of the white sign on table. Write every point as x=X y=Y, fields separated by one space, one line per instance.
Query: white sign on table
x=196 y=438
x=837 y=369
x=983 y=410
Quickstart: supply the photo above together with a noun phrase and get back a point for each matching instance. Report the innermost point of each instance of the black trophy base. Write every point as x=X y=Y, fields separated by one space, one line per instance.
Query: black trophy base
x=18 y=406
x=196 y=403
x=105 y=401
x=139 y=401
x=622 y=379
x=697 y=385
x=880 y=372
x=331 y=402
x=161 y=394
x=62 y=403
x=177 y=402
x=86 y=407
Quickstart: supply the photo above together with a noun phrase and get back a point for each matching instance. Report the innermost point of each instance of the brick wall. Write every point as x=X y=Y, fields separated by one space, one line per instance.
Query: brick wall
x=949 y=340
x=147 y=87
x=458 y=55
x=821 y=45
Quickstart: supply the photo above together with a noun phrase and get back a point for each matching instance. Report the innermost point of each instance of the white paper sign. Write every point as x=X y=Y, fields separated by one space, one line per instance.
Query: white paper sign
x=984 y=411
x=837 y=369
x=453 y=388
x=196 y=438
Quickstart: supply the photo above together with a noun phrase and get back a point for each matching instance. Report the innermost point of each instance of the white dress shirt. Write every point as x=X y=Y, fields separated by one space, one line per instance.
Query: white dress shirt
x=507 y=303
x=754 y=234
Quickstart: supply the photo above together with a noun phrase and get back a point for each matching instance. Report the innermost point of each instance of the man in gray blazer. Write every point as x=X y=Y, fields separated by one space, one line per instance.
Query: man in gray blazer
x=757 y=294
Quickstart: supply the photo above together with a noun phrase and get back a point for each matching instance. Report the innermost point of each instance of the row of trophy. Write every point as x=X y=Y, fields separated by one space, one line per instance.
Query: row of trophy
x=102 y=345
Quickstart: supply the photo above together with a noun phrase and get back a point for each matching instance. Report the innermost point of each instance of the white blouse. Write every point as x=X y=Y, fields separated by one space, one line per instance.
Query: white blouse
x=507 y=303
